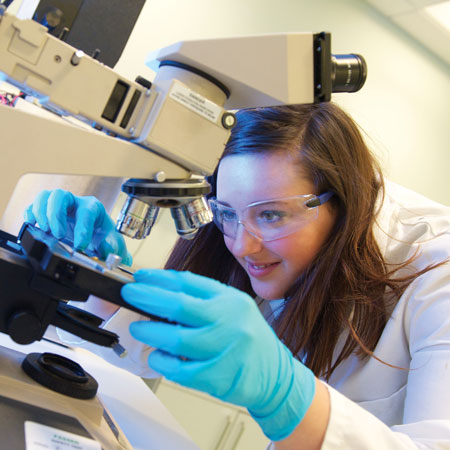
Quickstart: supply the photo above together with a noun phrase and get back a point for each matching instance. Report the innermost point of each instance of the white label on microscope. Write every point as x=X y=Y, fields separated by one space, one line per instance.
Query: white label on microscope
x=195 y=102
x=39 y=437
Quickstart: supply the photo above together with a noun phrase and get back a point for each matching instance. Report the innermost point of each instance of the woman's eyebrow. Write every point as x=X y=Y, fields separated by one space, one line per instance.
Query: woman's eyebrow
x=225 y=203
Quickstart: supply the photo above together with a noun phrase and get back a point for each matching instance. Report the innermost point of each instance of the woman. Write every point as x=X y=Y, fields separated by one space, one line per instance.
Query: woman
x=352 y=275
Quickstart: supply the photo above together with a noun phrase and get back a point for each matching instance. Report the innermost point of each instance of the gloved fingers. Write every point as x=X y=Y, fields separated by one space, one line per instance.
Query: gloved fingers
x=89 y=213
x=195 y=343
x=59 y=204
x=105 y=247
x=82 y=220
x=39 y=210
x=208 y=376
x=127 y=260
x=173 y=367
x=28 y=215
x=189 y=283
x=174 y=306
x=164 y=363
x=111 y=243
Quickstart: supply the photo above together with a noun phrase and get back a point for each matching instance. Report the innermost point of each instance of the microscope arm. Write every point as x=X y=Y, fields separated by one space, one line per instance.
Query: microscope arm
x=169 y=118
x=34 y=144
x=180 y=115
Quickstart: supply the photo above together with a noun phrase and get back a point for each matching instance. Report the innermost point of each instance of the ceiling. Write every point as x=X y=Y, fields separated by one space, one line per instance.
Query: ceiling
x=410 y=15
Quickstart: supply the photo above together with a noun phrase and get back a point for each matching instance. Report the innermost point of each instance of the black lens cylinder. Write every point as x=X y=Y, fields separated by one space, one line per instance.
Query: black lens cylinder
x=348 y=72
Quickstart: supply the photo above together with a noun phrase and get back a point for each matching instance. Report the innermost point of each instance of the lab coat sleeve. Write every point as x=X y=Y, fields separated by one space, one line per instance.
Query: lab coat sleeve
x=350 y=426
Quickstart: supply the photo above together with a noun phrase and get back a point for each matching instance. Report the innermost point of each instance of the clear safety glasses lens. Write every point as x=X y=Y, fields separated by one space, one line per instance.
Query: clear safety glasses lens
x=268 y=220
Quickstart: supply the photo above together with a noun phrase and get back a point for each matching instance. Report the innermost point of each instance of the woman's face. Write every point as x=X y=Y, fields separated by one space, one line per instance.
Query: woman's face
x=272 y=266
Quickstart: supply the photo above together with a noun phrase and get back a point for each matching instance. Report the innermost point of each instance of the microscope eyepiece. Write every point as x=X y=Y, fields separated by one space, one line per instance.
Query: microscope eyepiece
x=348 y=72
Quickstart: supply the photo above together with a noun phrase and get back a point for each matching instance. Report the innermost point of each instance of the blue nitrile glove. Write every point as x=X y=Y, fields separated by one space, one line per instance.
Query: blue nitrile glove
x=228 y=350
x=81 y=220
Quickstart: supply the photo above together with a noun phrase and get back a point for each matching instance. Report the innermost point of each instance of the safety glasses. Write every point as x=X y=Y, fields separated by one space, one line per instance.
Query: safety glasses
x=271 y=219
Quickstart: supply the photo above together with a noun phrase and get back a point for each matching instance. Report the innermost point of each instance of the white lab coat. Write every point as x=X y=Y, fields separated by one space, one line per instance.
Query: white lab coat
x=374 y=406
x=377 y=407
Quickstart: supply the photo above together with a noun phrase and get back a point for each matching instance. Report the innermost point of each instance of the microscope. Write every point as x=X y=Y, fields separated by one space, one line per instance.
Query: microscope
x=163 y=138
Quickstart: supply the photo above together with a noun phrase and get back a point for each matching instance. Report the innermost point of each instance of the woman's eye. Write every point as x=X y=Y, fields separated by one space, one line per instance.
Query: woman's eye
x=228 y=216
x=271 y=216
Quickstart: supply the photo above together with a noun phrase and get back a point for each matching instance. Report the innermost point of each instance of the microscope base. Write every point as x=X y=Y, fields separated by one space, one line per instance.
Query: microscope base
x=22 y=399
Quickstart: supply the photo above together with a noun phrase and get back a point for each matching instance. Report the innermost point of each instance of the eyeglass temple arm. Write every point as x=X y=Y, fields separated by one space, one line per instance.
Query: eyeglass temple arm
x=320 y=199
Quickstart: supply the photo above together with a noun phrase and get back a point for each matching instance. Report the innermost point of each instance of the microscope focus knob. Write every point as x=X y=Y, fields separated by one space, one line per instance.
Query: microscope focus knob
x=24 y=327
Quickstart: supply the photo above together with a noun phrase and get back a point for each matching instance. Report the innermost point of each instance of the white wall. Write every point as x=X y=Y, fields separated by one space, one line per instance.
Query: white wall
x=403 y=107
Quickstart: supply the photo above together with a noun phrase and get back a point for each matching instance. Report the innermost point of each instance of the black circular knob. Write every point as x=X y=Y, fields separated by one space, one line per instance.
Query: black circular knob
x=24 y=327
x=60 y=374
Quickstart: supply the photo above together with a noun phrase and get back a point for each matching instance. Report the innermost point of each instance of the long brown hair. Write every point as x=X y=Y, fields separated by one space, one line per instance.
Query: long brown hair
x=344 y=288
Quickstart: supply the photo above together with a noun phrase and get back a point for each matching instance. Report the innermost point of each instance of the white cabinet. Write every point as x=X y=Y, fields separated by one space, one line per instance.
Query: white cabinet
x=212 y=424
x=245 y=434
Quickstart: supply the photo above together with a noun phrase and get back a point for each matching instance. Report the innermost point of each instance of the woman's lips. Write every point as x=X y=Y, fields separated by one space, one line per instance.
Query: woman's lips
x=258 y=270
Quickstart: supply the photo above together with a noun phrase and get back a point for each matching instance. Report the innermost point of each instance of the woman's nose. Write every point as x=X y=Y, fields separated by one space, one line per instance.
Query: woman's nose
x=245 y=243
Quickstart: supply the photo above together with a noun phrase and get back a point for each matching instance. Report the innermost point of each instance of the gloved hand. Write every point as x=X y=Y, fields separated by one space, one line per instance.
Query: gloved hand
x=228 y=349
x=81 y=220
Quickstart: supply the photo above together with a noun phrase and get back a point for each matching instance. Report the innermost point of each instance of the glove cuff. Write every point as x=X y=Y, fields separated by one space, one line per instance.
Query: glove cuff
x=281 y=422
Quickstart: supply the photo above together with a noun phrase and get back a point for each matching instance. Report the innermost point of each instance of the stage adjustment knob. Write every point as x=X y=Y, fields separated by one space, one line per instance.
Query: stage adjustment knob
x=24 y=327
